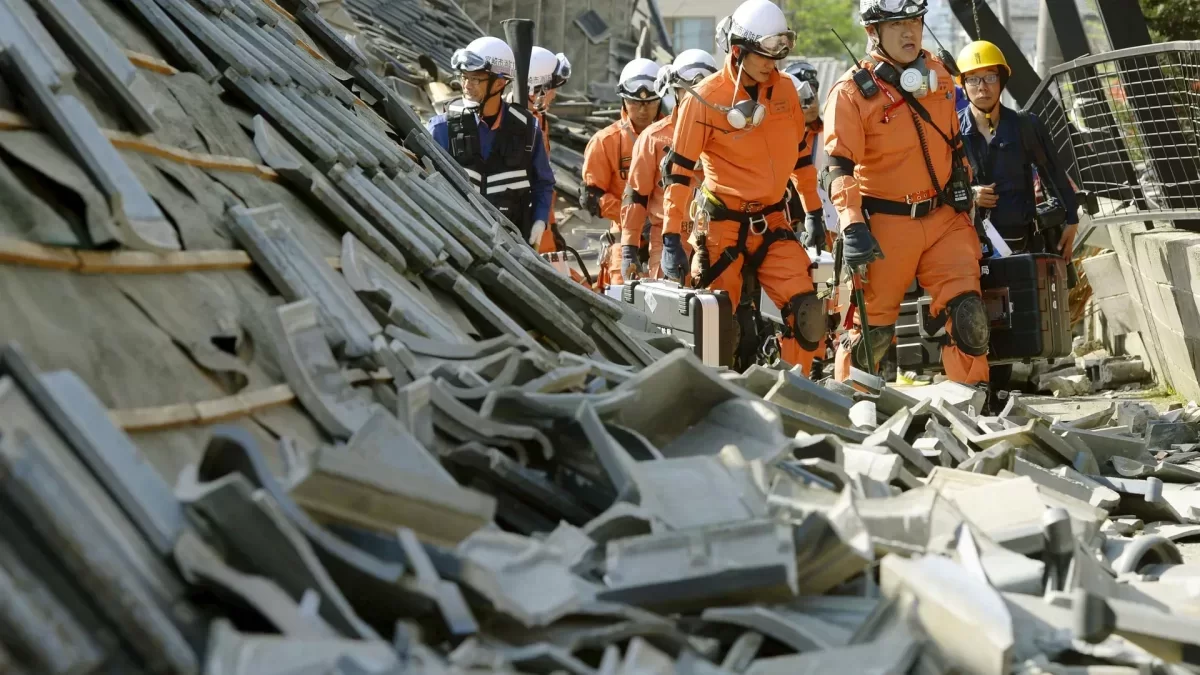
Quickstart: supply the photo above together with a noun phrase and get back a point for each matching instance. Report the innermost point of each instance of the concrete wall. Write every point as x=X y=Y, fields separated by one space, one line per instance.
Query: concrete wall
x=1161 y=270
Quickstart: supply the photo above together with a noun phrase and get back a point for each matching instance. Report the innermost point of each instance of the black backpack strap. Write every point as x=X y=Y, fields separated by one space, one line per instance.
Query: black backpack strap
x=1035 y=153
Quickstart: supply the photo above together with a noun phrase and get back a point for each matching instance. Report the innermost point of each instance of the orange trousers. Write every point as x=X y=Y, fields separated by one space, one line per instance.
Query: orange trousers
x=942 y=252
x=783 y=274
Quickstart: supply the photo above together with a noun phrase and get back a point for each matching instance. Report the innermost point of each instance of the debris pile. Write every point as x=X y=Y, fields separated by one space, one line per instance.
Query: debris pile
x=290 y=398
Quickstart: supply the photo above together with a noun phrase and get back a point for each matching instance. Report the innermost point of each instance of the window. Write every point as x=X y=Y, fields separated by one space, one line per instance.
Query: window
x=693 y=33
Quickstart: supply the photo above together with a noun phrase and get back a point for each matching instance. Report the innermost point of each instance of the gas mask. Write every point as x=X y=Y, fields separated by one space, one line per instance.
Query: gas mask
x=745 y=114
x=917 y=79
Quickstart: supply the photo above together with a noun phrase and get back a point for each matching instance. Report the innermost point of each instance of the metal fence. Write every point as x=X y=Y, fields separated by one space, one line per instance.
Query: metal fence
x=1125 y=124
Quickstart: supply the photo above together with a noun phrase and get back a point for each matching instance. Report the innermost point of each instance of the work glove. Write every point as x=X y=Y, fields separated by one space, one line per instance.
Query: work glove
x=629 y=261
x=589 y=200
x=536 y=232
x=813 y=235
x=859 y=247
x=674 y=260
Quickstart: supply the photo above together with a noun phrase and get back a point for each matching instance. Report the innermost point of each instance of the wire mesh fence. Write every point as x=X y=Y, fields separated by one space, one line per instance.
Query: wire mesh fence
x=1125 y=125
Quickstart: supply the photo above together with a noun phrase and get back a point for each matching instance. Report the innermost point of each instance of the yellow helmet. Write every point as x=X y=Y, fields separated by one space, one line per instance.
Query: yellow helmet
x=981 y=54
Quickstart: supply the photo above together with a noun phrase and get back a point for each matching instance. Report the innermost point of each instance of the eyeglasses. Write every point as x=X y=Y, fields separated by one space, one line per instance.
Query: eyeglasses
x=471 y=78
x=976 y=80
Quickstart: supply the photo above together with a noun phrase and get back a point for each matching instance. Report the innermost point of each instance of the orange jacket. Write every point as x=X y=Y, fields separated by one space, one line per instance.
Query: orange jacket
x=606 y=164
x=643 y=193
x=805 y=174
x=889 y=163
x=751 y=165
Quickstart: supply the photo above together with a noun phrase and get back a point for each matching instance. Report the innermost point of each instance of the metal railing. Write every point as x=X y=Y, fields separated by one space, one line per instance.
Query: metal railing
x=1125 y=125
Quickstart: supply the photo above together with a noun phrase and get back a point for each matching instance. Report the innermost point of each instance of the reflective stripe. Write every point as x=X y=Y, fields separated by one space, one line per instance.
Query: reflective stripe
x=473 y=174
x=508 y=186
x=507 y=175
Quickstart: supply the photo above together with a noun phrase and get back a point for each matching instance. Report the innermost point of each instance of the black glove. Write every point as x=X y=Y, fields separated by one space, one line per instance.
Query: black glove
x=629 y=259
x=859 y=247
x=674 y=259
x=589 y=200
x=814 y=230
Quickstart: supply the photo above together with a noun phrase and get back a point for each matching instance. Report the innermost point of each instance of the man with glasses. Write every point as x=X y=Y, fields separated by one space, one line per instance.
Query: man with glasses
x=1007 y=149
x=644 y=191
x=999 y=144
x=499 y=146
x=899 y=180
x=745 y=124
x=608 y=154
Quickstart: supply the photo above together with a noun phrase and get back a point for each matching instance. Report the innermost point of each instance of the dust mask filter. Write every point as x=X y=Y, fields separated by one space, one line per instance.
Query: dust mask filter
x=744 y=114
x=918 y=79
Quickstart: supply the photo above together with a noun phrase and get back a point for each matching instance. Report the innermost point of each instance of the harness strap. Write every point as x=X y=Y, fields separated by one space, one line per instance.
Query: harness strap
x=670 y=179
x=731 y=253
x=634 y=197
x=679 y=160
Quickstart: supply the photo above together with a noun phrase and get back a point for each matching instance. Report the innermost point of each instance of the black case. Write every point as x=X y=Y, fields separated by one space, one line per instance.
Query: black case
x=702 y=319
x=1027 y=300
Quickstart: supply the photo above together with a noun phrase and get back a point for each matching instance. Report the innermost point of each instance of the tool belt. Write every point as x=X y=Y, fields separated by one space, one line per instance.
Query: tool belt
x=754 y=214
x=911 y=209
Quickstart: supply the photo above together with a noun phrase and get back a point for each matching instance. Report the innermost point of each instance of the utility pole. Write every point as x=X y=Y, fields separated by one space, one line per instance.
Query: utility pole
x=1049 y=54
x=1005 y=16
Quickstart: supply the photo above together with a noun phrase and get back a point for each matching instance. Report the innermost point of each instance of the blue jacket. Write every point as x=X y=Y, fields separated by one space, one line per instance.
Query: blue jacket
x=542 y=186
x=1003 y=162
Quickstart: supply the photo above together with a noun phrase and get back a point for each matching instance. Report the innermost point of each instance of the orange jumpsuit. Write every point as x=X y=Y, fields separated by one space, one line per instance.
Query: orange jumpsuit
x=941 y=250
x=644 y=191
x=747 y=171
x=606 y=161
x=805 y=174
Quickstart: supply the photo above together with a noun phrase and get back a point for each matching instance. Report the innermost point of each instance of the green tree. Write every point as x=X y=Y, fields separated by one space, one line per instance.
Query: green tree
x=812 y=19
x=1172 y=19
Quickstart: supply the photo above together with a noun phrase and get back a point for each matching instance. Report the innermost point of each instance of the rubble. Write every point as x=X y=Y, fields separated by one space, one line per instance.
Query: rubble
x=286 y=396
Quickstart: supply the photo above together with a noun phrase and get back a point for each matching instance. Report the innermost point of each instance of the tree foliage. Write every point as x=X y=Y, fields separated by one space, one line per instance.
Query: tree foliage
x=812 y=19
x=1172 y=19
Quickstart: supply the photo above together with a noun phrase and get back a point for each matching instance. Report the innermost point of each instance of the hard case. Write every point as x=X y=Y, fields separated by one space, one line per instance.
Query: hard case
x=703 y=319
x=1026 y=297
x=1027 y=301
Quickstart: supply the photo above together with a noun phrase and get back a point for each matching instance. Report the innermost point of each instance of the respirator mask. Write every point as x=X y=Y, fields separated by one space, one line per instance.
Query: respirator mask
x=916 y=78
x=745 y=114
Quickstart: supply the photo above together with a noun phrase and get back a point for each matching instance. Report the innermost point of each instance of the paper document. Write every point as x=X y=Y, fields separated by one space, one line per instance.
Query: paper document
x=998 y=244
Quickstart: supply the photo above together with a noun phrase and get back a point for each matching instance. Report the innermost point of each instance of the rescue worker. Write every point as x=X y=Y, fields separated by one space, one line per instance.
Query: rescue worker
x=608 y=154
x=745 y=124
x=900 y=183
x=804 y=176
x=644 y=190
x=547 y=72
x=1002 y=159
x=499 y=146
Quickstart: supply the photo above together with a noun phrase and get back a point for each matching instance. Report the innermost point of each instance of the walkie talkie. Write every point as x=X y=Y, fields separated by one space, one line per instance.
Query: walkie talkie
x=945 y=57
x=862 y=77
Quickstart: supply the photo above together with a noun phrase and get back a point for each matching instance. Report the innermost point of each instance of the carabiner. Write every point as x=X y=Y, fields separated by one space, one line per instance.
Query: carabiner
x=763 y=220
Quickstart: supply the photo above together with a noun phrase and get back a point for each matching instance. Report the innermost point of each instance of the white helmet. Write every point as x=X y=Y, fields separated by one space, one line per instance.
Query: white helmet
x=637 y=80
x=758 y=26
x=803 y=89
x=542 y=64
x=871 y=12
x=693 y=65
x=490 y=54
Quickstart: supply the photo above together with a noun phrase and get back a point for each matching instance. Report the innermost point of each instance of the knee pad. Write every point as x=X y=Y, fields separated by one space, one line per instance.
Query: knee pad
x=807 y=317
x=969 y=326
x=881 y=339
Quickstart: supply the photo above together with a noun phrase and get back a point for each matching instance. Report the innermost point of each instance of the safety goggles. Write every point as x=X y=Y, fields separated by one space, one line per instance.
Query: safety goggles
x=562 y=72
x=895 y=6
x=640 y=88
x=697 y=71
x=976 y=80
x=774 y=46
x=465 y=61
